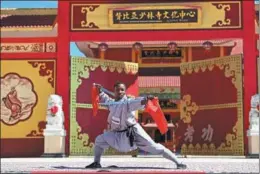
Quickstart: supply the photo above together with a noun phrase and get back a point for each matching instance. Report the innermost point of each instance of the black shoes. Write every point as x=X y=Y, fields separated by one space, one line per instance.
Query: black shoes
x=94 y=165
x=181 y=166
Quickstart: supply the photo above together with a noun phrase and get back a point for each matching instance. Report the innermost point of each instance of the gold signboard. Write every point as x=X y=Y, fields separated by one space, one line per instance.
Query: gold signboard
x=166 y=17
x=156 y=16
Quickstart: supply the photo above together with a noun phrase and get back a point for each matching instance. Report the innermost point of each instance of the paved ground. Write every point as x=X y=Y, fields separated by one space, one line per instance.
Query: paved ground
x=76 y=164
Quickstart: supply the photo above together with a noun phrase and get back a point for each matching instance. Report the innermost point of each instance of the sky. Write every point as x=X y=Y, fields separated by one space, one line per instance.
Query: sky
x=28 y=4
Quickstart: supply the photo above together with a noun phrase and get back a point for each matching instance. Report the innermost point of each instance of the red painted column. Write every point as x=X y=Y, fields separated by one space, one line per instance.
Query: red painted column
x=250 y=61
x=63 y=63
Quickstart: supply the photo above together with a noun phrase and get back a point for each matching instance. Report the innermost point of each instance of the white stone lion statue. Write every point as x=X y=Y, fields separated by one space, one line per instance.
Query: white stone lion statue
x=254 y=113
x=55 y=115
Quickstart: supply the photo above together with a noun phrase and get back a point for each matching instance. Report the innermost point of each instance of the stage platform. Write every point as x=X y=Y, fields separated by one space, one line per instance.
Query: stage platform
x=130 y=165
x=127 y=171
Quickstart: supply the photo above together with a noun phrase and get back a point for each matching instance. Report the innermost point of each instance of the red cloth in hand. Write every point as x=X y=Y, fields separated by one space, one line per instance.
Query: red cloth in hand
x=95 y=99
x=154 y=109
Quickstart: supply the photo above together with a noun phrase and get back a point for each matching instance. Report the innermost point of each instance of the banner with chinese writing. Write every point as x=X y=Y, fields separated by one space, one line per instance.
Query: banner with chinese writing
x=165 y=15
x=211 y=118
x=84 y=127
x=158 y=53
x=159 y=16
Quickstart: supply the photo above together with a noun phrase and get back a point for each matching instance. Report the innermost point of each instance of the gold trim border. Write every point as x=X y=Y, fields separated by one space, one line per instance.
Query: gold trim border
x=218 y=106
x=87 y=106
x=30 y=28
x=127 y=67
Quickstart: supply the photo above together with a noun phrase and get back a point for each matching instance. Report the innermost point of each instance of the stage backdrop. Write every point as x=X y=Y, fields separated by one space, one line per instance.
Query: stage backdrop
x=25 y=87
x=84 y=127
x=212 y=107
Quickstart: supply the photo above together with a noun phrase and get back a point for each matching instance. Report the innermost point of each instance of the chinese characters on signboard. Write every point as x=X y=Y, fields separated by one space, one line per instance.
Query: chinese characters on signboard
x=161 y=53
x=155 y=16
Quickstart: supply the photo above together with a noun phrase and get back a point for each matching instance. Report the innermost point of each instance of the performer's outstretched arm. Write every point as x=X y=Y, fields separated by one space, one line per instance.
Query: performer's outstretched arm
x=104 y=98
x=138 y=103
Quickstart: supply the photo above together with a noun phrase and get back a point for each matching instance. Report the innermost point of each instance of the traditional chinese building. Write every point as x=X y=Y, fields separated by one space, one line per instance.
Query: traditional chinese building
x=189 y=54
x=28 y=54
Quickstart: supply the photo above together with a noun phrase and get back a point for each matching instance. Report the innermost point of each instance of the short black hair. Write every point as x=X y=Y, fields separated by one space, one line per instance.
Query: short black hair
x=119 y=83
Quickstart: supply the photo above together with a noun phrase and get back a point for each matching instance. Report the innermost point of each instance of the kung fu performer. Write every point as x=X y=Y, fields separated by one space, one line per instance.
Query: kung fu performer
x=125 y=134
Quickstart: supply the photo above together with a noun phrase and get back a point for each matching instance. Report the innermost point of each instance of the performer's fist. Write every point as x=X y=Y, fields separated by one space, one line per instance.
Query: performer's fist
x=98 y=86
x=145 y=100
x=150 y=97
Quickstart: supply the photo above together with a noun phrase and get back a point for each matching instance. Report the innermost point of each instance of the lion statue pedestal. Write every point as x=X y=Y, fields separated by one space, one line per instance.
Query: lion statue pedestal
x=253 y=132
x=54 y=134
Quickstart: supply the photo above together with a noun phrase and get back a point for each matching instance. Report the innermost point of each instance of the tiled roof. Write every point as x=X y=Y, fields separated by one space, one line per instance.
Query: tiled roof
x=29 y=11
x=158 y=81
x=28 y=20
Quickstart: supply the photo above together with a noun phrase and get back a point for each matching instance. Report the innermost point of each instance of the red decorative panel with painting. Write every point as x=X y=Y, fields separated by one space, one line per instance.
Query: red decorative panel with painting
x=212 y=107
x=84 y=72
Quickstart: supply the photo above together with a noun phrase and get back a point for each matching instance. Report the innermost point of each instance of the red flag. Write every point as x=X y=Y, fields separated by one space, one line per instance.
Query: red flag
x=154 y=109
x=132 y=89
x=95 y=99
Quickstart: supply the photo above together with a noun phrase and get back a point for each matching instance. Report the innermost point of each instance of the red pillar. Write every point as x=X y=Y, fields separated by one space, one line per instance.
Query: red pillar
x=63 y=63
x=250 y=61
